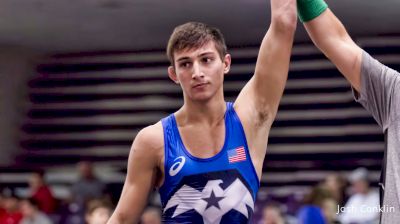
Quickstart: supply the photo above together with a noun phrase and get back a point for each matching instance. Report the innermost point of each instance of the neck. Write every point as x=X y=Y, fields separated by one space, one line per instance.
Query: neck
x=209 y=112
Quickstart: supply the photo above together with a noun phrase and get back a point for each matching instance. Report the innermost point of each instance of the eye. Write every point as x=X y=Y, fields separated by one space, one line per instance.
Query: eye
x=184 y=64
x=207 y=59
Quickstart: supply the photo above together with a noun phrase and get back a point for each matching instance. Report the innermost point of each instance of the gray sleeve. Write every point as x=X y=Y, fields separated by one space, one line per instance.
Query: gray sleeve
x=380 y=90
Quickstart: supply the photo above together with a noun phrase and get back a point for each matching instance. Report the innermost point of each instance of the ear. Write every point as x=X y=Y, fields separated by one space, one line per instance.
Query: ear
x=172 y=74
x=227 y=63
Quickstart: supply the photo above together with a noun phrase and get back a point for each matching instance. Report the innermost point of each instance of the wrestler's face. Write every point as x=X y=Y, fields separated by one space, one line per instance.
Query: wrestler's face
x=200 y=71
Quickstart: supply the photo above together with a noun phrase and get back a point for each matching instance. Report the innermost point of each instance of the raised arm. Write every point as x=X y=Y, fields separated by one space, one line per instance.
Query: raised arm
x=140 y=179
x=259 y=99
x=330 y=36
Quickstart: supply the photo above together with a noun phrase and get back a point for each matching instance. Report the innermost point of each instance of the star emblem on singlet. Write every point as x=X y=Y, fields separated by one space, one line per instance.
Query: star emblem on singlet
x=213 y=200
x=222 y=197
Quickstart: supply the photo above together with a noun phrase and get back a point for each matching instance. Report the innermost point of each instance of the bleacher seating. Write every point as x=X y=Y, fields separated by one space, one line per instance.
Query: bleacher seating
x=90 y=107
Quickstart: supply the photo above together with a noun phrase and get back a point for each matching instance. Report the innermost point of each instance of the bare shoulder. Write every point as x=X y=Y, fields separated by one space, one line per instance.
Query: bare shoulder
x=151 y=137
x=149 y=142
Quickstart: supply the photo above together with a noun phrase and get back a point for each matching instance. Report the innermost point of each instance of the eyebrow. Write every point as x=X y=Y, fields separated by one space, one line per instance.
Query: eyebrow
x=182 y=59
x=206 y=54
x=201 y=55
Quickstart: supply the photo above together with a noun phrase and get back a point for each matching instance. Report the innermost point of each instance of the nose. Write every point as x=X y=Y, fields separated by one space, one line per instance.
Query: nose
x=197 y=71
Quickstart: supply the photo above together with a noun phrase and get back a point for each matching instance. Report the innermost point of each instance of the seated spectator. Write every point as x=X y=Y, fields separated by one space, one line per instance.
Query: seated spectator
x=98 y=212
x=272 y=215
x=360 y=206
x=151 y=215
x=11 y=213
x=88 y=186
x=336 y=184
x=319 y=207
x=42 y=193
x=32 y=214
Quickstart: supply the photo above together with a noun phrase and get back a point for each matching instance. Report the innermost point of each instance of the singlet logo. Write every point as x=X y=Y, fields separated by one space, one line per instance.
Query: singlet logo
x=213 y=202
x=177 y=166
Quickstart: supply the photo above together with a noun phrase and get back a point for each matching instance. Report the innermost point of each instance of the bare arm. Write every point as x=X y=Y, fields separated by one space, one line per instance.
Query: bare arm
x=257 y=103
x=141 y=177
x=259 y=99
x=377 y=87
x=330 y=36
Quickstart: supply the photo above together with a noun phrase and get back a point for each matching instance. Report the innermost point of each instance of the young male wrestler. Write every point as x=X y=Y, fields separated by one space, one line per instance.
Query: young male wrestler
x=206 y=159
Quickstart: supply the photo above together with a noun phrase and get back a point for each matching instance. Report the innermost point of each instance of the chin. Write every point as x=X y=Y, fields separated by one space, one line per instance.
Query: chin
x=201 y=97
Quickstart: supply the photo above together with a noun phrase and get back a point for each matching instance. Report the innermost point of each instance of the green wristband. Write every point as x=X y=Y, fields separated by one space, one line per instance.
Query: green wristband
x=310 y=9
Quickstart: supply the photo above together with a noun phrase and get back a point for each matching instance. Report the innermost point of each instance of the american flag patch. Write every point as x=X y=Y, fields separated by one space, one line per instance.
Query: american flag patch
x=236 y=155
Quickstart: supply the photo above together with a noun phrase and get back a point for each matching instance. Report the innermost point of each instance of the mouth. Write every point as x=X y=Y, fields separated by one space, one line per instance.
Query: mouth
x=199 y=85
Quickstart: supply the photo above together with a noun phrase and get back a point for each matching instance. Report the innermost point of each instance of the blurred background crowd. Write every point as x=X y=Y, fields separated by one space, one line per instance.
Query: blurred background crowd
x=90 y=201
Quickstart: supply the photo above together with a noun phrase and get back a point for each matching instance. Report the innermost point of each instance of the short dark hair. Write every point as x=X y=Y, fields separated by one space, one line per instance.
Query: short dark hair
x=194 y=35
